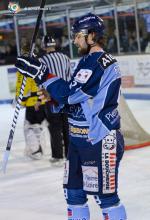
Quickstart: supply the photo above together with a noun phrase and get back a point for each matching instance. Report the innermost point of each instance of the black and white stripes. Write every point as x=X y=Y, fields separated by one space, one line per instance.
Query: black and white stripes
x=58 y=64
x=16 y=114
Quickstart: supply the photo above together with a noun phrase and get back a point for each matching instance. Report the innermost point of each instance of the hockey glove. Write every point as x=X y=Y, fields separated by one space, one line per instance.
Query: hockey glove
x=33 y=68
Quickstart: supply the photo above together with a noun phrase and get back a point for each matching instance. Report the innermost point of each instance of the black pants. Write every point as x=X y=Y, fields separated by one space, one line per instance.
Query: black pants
x=59 y=130
x=34 y=116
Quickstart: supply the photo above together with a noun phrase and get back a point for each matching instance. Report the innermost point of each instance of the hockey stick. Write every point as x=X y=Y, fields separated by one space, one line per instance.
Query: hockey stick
x=17 y=109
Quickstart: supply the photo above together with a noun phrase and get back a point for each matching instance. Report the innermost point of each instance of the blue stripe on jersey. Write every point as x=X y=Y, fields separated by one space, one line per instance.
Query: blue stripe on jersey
x=78 y=123
x=78 y=97
x=50 y=81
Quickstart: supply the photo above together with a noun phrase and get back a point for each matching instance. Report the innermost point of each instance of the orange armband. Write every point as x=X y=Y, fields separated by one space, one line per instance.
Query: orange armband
x=50 y=75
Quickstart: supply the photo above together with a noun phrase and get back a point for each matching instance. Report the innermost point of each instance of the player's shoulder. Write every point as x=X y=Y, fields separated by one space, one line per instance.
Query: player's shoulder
x=105 y=60
x=90 y=59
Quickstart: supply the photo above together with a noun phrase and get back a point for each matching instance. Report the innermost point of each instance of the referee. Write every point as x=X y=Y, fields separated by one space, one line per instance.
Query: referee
x=59 y=64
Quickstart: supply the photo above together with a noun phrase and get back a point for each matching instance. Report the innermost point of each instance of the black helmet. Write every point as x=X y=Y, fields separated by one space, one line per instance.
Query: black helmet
x=87 y=24
x=48 y=41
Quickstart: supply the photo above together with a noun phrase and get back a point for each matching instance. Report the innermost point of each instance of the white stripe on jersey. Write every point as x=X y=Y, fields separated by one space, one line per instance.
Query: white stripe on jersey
x=58 y=64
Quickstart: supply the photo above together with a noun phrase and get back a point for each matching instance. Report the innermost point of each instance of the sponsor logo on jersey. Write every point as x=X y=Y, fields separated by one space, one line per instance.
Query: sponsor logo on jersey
x=106 y=60
x=117 y=70
x=109 y=162
x=76 y=112
x=83 y=75
x=89 y=162
x=77 y=130
x=113 y=116
x=90 y=178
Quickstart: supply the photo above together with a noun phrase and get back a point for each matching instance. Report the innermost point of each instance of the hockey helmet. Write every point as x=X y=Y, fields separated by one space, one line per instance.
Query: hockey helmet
x=48 y=41
x=88 y=23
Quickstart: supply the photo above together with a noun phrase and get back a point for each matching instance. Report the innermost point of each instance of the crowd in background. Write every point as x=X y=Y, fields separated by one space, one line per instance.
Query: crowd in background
x=128 y=44
x=8 y=52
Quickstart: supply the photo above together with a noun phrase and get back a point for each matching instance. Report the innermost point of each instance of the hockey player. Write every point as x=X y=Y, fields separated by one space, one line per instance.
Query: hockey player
x=91 y=100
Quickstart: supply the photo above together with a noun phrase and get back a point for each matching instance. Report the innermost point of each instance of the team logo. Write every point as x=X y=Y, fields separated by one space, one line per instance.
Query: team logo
x=69 y=212
x=14 y=7
x=106 y=217
x=109 y=142
x=83 y=75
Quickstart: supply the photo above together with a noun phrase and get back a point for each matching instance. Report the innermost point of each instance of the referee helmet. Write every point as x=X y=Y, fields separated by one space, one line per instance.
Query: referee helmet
x=48 y=41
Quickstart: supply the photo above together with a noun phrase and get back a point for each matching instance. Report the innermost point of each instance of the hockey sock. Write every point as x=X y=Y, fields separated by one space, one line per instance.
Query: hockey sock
x=80 y=212
x=114 y=213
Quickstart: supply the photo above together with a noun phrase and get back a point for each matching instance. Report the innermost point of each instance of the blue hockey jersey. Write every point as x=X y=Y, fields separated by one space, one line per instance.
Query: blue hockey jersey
x=91 y=96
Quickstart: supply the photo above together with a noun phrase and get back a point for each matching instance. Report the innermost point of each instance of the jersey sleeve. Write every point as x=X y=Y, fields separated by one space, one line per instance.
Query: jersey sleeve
x=86 y=82
x=83 y=85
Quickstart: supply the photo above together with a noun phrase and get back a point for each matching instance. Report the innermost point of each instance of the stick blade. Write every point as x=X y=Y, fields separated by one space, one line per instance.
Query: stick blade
x=5 y=160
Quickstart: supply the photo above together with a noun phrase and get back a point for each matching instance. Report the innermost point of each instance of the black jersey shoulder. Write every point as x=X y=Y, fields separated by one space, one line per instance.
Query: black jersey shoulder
x=106 y=60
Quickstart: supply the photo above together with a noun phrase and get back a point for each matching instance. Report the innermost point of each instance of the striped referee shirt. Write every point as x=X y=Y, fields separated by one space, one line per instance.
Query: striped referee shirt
x=58 y=64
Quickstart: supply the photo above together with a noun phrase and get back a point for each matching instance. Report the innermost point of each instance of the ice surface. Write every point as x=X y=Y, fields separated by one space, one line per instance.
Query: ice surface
x=32 y=190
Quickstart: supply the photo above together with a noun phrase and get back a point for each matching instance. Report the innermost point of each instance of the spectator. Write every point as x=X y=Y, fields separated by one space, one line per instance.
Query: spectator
x=147 y=48
x=65 y=45
x=112 y=44
x=132 y=44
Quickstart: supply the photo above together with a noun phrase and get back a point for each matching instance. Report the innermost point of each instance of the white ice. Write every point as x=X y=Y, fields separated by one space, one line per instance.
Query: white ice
x=32 y=190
